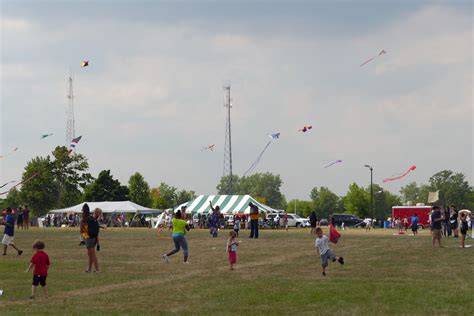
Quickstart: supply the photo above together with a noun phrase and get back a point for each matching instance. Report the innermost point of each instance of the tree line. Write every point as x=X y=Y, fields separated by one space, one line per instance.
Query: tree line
x=64 y=180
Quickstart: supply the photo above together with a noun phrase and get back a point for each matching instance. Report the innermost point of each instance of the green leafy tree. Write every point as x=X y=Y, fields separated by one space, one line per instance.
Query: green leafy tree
x=14 y=199
x=453 y=188
x=41 y=192
x=325 y=202
x=105 y=188
x=357 y=201
x=70 y=173
x=414 y=193
x=224 y=186
x=139 y=190
x=164 y=197
x=302 y=208
x=184 y=196
x=383 y=202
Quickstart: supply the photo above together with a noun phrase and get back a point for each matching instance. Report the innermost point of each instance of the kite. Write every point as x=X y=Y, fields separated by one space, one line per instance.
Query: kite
x=22 y=182
x=333 y=163
x=8 y=183
x=305 y=129
x=382 y=52
x=401 y=175
x=45 y=136
x=273 y=136
x=210 y=147
x=11 y=153
x=334 y=235
x=73 y=144
x=84 y=63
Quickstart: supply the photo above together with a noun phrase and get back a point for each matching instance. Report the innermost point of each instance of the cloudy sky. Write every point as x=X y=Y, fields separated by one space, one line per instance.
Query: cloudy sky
x=152 y=95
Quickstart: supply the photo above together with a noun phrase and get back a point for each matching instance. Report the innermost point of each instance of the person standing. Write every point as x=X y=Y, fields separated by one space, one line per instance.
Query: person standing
x=313 y=220
x=231 y=246
x=236 y=225
x=436 y=219
x=8 y=239
x=89 y=230
x=19 y=220
x=253 y=221
x=414 y=224
x=40 y=261
x=180 y=227
x=445 y=223
x=454 y=221
x=285 y=221
x=215 y=219
x=26 y=217
x=464 y=228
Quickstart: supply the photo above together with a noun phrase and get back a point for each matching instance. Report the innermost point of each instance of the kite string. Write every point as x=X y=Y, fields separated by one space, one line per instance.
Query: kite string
x=22 y=182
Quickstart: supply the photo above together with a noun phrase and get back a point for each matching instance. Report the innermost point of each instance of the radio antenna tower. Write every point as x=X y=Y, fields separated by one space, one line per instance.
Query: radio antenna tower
x=228 y=140
x=70 y=129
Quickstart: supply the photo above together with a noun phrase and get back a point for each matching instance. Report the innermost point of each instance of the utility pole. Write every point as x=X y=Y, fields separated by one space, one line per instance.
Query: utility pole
x=371 y=190
x=228 y=141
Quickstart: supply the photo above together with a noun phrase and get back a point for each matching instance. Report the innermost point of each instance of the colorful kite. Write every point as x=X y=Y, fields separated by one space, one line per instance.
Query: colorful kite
x=273 y=136
x=45 y=136
x=333 y=163
x=305 y=129
x=400 y=175
x=210 y=147
x=22 y=182
x=334 y=235
x=84 y=63
x=73 y=144
x=11 y=153
x=382 y=52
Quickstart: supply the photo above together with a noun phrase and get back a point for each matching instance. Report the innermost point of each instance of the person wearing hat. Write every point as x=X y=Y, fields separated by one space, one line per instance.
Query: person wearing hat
x=253 y=220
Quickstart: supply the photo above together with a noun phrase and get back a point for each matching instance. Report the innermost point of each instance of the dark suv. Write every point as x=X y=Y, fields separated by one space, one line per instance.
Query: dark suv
x=349 y=220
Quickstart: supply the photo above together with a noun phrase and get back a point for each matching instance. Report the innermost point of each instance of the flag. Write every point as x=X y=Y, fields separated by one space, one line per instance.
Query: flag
x=333 y=234
x=73 y=144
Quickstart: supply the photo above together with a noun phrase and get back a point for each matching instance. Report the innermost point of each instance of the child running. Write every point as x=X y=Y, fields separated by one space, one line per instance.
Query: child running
x=180 y=227
x=236 y=225
x=41 y=262
x=232 y=244
x=322 y=245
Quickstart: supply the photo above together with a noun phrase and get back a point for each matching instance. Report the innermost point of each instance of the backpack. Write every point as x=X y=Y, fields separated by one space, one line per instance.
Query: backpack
x=93 y=227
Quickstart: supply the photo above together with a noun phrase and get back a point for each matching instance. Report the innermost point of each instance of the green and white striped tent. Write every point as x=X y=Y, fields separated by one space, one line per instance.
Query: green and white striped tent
x=229 y=204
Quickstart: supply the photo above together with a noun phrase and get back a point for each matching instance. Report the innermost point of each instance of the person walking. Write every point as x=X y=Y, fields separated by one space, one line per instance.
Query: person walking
x=454 y=221
x=8 y=239
x=436 y=219
x=19 y=220
x=179 y=227
x=313 y=220
x=253 y=221
x=26 y=217
x=214 y=220
x=414 y=224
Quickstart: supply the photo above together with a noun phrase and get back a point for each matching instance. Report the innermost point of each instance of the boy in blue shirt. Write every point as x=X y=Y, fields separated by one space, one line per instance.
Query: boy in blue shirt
x=7 y=240
x=414 y=224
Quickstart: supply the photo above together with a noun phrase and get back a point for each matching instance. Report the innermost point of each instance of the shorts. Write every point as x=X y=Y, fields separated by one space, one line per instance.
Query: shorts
x=313 y=225
x=39 y=279
x=8 y=240
x=328 y=255
x=236 y=230
x=232 y=257
x=90 y=243
x=463 y=231
x=436 y=233
x=414 y=228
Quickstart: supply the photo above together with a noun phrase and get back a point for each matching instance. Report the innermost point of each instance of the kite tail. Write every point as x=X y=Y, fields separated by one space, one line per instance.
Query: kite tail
x=22 y=182
x=255 y=163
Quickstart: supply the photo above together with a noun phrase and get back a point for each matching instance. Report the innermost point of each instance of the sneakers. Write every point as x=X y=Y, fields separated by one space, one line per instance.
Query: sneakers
x=185 y=262
x=165 y=258
x=341 y=260
x=20 y=252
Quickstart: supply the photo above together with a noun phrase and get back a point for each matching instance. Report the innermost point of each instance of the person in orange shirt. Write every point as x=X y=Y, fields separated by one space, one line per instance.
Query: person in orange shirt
x=253 y=220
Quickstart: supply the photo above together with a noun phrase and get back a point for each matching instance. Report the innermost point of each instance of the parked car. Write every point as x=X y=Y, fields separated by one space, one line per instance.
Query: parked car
x=323 y=222
x=348 y=219
x=294 y=220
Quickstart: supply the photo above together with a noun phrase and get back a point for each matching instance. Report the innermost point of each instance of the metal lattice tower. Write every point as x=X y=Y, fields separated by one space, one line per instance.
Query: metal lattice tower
x=70 y=129
x=228 y=139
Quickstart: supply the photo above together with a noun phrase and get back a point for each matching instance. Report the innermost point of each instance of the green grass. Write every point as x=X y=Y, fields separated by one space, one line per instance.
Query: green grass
x=278 y=274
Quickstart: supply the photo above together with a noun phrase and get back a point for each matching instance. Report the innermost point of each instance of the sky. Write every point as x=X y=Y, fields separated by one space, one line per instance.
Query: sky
x=152 y=95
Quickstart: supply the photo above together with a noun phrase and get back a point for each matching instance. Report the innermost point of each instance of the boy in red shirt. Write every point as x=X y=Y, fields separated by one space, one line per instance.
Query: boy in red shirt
x=41 y=262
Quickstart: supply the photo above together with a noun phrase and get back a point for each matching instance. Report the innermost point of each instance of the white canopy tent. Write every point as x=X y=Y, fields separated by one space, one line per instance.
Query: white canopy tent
x=108 y=207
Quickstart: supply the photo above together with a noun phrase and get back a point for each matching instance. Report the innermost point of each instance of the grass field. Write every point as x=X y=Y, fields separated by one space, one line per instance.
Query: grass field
x=277 y=274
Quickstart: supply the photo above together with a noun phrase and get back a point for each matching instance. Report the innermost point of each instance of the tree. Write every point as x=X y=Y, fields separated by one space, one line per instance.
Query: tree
x=184 y=196
x=70 y=173
x=41 y=192
x=453 y=188
x=164 y=197
x=325 y=202
x=105 y=188
x=224 y=185
x=383 y=201
x=302 y=208
x=357 y=201
x=414 y=193
x=14 y=199
x=139 y=191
